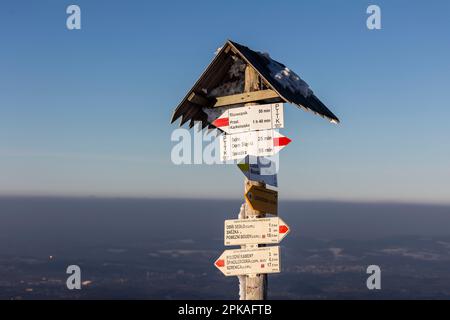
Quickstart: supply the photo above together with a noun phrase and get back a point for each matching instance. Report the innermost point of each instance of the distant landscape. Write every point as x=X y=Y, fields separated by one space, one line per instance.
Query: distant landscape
x=165 y=248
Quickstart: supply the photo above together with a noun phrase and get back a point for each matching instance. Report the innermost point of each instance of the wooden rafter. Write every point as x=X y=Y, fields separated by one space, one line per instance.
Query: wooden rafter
x=247 y=97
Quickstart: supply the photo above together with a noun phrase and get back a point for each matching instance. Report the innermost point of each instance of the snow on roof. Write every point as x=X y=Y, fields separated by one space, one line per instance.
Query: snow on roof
x=284 y=81
x=225 y=76
x=286 y=77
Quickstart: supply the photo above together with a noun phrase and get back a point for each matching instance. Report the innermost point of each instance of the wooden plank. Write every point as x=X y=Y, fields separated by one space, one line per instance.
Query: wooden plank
x=247 y=97
x=199 y=99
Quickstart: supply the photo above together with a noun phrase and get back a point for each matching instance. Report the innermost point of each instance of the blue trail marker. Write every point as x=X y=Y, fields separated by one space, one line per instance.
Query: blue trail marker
x=259 y=169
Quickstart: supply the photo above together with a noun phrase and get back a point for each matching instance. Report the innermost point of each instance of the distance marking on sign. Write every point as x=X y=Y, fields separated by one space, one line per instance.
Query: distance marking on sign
x=251 y=118
x=255 y=231
x=256 y=143
x=249 y=261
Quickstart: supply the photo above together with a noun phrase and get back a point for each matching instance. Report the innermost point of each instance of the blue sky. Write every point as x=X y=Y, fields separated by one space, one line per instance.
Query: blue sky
x=87 y=112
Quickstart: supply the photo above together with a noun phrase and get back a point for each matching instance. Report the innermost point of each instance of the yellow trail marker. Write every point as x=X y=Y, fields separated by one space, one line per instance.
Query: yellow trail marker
x=262 y=199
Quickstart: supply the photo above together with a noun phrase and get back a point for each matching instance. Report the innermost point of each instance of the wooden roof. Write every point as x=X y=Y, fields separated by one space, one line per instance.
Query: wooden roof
x=216 y=73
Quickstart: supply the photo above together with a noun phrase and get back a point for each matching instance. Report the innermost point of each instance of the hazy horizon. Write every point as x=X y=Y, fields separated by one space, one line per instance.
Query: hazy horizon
x=336 y=217
x=312 y=200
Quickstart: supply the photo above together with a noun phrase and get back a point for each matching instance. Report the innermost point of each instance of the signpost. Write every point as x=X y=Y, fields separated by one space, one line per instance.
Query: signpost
x=262 y=199
x=255 y=231
x=259 y=169
x=256 y=143
x=251 y=118
x=249 y=261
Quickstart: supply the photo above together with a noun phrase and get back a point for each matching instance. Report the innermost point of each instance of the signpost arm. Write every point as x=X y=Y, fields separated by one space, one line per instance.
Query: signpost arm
x=255 y=285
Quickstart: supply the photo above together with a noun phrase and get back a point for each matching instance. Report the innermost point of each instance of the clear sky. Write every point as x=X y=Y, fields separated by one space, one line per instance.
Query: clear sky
x=87 y=112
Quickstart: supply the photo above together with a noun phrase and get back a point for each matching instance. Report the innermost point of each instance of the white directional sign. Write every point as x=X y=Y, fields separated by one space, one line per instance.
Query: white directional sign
x=251 y=118
x=255 y=231
x=256 y=143
x=249 y=261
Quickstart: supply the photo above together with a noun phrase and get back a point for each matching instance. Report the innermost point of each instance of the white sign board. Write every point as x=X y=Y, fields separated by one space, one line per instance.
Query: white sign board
x=255 y=231
x=249 y=261
x=251 y=118
x=256 y=143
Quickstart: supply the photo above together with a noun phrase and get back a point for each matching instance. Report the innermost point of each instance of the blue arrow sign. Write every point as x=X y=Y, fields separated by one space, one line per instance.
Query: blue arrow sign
x=259 y=169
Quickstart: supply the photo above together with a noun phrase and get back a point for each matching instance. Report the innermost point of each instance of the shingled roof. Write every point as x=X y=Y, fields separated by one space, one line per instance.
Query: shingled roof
x=225 y=72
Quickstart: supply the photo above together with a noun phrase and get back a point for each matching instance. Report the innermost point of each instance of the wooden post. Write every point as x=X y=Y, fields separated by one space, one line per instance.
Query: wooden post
x=255 y=285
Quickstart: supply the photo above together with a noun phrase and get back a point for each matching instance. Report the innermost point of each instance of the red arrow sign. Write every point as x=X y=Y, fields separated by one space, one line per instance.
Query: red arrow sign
x=221 y=122
x=281 y=142
x=220 y=263
x=283 y=229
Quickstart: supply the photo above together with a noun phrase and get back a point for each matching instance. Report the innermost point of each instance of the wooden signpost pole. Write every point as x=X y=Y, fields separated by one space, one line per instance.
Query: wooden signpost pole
x=255 y=285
